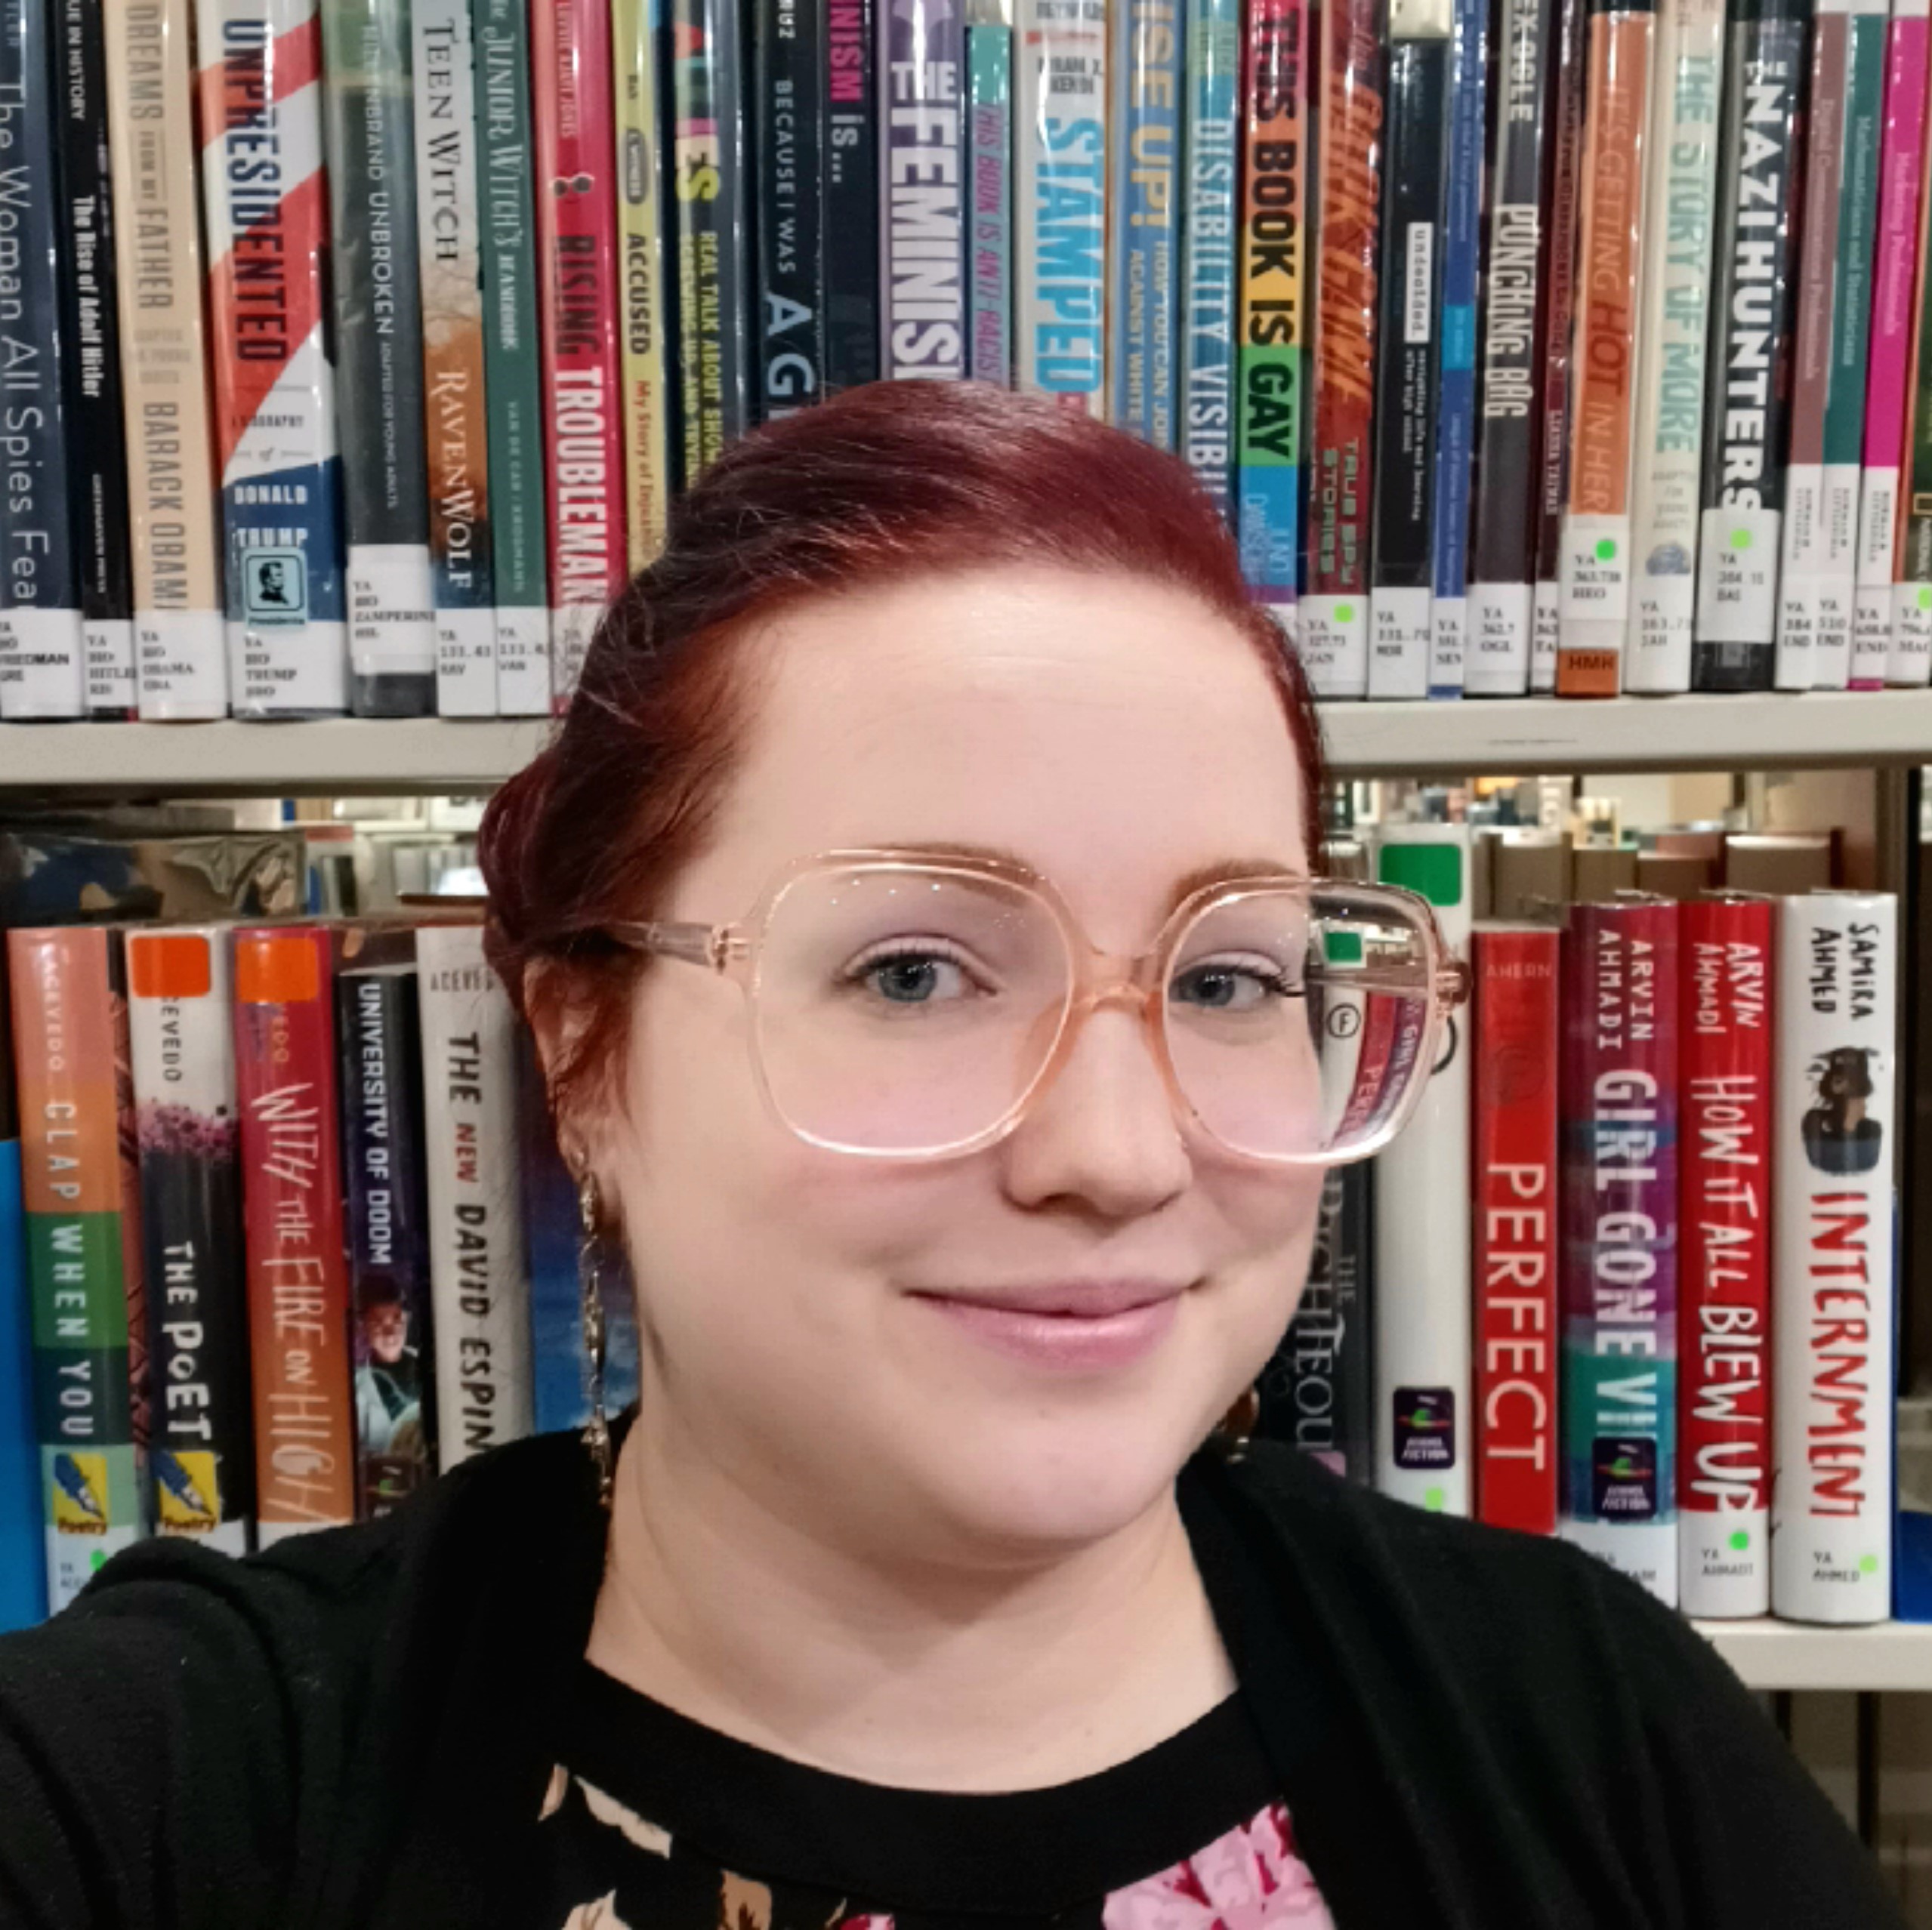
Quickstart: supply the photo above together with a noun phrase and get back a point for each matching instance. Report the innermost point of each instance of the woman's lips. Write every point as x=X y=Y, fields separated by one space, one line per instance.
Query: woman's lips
x=1069 y=1340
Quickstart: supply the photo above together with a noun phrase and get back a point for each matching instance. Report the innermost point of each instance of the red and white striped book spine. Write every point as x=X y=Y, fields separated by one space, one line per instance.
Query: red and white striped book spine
x=1518 y=1002
x=1724 y=1263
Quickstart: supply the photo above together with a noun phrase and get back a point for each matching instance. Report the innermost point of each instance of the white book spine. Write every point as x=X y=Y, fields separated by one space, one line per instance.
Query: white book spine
x=1833 y=1299
x=1399 y=642
x=479 y=1277
x=1669 y=441
x=1500 y=619
x=1423 y=1346
x=1334 y=641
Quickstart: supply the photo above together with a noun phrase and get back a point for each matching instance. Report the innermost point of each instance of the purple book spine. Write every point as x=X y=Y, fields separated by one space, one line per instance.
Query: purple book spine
x=1618 y=1216
x=922 y=296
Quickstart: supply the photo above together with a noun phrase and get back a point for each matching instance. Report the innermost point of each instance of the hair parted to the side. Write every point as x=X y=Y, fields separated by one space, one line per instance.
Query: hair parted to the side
x=890 y=481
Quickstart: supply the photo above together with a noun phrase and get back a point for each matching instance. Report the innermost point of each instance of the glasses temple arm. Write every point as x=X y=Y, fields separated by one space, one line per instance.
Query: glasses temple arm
x=707 y=945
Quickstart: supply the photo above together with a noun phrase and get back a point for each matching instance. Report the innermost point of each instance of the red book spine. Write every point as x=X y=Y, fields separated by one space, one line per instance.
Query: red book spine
x=1518 y=989
x=1724 y=1308
x=577 y=249
x=291 y=1178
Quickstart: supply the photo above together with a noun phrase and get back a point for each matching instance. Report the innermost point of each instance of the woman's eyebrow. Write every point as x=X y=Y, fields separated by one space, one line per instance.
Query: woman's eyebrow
x=1274 y=869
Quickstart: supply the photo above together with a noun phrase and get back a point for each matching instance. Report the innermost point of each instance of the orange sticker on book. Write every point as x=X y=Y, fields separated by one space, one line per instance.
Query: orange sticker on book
x=168 y=965
x=276 y=968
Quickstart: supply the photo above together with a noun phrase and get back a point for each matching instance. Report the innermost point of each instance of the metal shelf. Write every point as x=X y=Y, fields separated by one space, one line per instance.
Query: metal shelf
x=1771 y=1655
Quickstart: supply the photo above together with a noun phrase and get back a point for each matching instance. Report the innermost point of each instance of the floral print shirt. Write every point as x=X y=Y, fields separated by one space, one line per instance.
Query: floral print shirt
x=652 y=1821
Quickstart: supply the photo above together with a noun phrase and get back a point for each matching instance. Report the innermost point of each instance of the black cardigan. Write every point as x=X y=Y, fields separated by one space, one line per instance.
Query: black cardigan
x=1471 y=1728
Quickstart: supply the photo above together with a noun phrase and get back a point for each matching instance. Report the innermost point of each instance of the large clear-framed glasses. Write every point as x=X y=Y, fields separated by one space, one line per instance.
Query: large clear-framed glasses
x=907 y=1007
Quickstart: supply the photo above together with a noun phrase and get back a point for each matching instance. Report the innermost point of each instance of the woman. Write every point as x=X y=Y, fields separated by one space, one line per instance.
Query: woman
x=915 y=914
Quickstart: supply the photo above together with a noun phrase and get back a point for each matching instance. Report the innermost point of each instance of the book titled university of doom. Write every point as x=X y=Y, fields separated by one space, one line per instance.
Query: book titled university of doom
x=644 y=242
x=1834 y=1310
x=1620 y=1228
x=91 y=361
x=1143 y=237
x=1748 y=398
x=921 y=188
x=180 y=1016
x=371 y=114
x=479 y=1281
x=43 y=668
x=267 y=216
x=1724 y=1261
x=851 y=148
x=1211 y=135
x=577 y=273
x=84 y=1270
x=1333 y=629
x=1517 y=1014
x=292 y=1186
x=378 y=1043
x=181 y=651
x=789 y=351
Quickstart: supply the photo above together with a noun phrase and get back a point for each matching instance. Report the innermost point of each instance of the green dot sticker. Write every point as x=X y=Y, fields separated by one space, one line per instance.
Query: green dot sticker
x=1741 y=1538
x=1868 y=1565
x=1344 y=613
x=96 y=1559
x=1606 y=549
x=1740 y=539
x=1925 y=597
x=1434 y=1501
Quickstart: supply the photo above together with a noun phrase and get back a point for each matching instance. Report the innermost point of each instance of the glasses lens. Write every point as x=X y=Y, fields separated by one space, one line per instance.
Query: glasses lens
x=1296 y=1019
x=904 y=1009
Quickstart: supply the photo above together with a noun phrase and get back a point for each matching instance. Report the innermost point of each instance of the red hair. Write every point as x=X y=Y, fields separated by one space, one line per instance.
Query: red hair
x=893 y=480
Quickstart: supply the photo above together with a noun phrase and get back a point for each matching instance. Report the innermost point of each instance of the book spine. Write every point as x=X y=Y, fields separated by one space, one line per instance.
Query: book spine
x=1801 y=592
x=989 y=58
x=1723 y=1398
x=23 y=1564
x=180 y=1014
x=1518 y=986
x=449 y=250
x=1212 y=141
x=577 y=254
x=1334 y=613
x=274 y=370
x=922 y=255
x=1456 y=358
x=1595 y=565
x=1060 y=161
x=180 y=649
x=1274 y=222
x=65 y=1037
x=291 y=1189
x=1561 y=202
x=637 y=33
x=1834 y=1315
x=852 y=285
x=90 y=329
x=1888 y=381
x=711 y=190
x=1423 y=1363
x=371 y=124
x=43 y=667
x=1910 y=660
x=1317 y=1391
x=387 y=1228
x=479 y=1284
x=1503 y=545
x=1144 y=240
x=1747 y=399
x=791 y=211
x=1676 y=286
x=1851 y=340
x=1404 y=502
x=519 y=565
x=1618 y=1216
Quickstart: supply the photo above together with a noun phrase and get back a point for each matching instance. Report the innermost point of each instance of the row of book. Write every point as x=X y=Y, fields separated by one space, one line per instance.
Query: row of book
x=296 y=1234
x=1629 y=1275
x=358 y=346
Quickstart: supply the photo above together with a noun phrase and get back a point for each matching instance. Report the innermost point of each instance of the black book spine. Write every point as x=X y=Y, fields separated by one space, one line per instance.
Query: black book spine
x=90 y=319
x=789 y=87
x=851 y=237
x=378 y=1040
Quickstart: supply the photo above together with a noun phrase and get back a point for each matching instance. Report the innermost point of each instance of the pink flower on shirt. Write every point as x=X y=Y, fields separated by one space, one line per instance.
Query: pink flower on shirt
x=1249 y=1880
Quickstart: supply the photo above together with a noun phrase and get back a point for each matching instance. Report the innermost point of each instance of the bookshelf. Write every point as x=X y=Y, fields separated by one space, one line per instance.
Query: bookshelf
x=1502 y=736
x=1771 y=1655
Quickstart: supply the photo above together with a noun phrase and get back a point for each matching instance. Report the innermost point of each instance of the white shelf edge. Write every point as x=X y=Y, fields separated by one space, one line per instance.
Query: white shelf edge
x=1473 y=737
x=1768 y=1654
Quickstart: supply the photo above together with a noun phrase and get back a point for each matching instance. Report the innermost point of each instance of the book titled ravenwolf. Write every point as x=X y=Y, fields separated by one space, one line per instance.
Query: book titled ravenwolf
x=922 y=298
x=1212 y=144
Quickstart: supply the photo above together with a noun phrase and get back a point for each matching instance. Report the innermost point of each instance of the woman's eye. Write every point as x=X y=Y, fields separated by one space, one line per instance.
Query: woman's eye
x=915 y=978
x=1229 y=988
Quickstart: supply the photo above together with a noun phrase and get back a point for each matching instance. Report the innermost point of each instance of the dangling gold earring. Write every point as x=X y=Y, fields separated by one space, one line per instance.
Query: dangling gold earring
x=1238 y=1425
x=590 y=1282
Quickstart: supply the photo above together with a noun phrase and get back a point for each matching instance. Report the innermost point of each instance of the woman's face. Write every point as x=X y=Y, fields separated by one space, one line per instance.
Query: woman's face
x=806 y=1333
